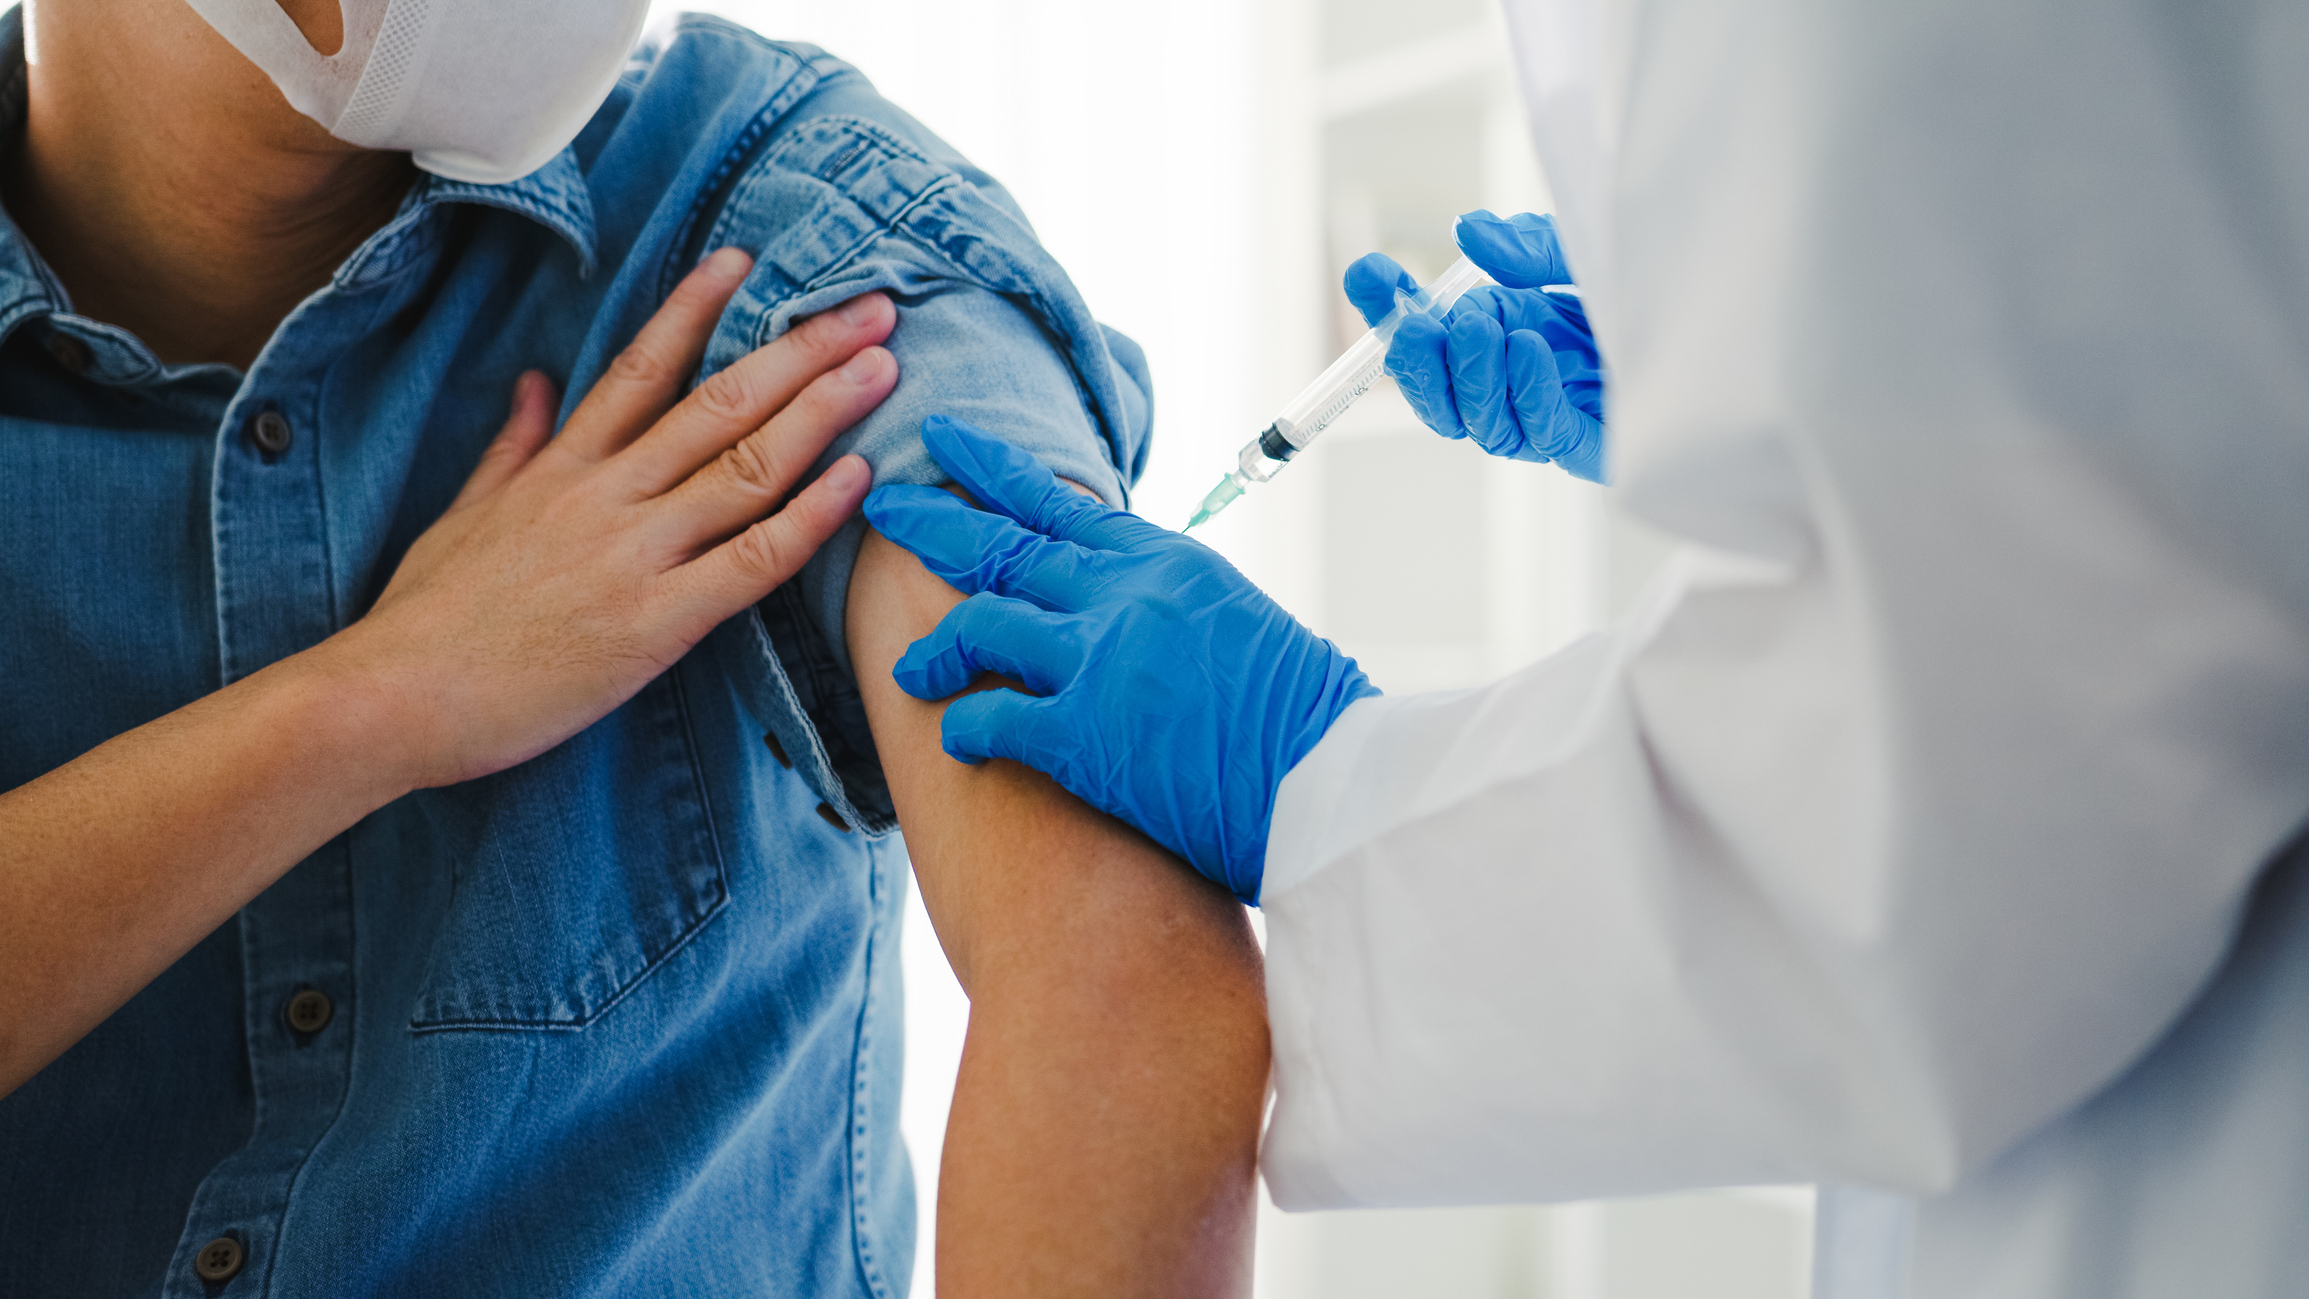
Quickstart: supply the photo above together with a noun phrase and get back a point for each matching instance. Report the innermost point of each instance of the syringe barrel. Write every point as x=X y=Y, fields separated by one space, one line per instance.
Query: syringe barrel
x=1322 y=402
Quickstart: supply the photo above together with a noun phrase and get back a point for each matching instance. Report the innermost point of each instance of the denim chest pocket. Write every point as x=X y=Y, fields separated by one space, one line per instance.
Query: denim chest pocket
x=574 y=875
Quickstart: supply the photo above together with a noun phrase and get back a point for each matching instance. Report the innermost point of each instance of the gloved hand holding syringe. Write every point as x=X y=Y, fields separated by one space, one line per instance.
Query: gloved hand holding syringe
x=1321 y=403
x=1516 y=371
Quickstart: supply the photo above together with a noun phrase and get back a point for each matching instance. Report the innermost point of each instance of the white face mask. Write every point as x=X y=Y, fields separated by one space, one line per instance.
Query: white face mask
x=485 y=91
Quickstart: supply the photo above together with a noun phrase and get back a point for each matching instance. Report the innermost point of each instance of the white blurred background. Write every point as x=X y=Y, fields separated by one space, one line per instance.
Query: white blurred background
x=1205 y=169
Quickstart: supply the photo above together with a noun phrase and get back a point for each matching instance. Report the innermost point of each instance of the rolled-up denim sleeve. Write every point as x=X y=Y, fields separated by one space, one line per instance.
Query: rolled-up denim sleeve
x=990 y=330
x=975 y=355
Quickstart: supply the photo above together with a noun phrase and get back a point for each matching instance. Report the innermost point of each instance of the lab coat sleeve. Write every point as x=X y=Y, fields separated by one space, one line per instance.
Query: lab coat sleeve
x=1926 y=788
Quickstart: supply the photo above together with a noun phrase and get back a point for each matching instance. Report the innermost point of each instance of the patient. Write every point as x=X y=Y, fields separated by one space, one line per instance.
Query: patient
x=442 y=860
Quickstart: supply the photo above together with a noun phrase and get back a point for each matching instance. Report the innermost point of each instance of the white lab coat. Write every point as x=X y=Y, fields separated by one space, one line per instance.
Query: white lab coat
x=1908 y=837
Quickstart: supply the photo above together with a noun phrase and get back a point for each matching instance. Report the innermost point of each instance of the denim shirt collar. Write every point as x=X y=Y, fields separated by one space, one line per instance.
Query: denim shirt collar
x=555 y=196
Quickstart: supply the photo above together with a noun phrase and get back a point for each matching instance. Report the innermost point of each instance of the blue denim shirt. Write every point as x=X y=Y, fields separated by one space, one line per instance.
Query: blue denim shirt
x=623 y=1020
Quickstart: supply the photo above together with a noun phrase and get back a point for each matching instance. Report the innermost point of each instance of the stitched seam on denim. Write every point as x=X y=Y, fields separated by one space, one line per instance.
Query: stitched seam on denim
x=831 y=789
x=978 y=262
x=572 y=1025
x=831 y=695
x=812 y=74
x=802 y=681
x=714 y=195
x=839 y=698
x=842 y=262
x=858 y=136
x=403 y=249
x=978 y=257
x=861 y=1081
x=865 y=132
x=833 y=165
x=641 y=976
x=344 y=1090
x=817 y=673
x=689 y=734
x=528 y=206
x=320 y=476
x=972 y=264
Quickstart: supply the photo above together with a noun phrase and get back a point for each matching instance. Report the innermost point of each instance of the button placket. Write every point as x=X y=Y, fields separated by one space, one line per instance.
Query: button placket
x=275 y=597
x=309 y=1011
x=272 y=435
x=219 y=1260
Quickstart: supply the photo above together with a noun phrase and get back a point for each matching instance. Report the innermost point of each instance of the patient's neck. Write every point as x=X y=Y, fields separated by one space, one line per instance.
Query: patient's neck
x=172 y=189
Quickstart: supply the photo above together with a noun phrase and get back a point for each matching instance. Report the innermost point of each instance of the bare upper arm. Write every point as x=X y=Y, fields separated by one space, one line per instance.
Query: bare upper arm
x=982 y=835
x=1104 y=1131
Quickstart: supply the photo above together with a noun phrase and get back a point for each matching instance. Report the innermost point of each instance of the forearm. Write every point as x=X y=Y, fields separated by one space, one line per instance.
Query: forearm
x=572 y=567
x=115 y=864
x=1104 y=1132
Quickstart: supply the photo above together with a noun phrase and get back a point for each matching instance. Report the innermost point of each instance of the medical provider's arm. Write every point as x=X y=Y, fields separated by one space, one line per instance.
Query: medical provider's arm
x=566 y=576
x=1933 y=793
x=1105 y=1124
x=1657 y=912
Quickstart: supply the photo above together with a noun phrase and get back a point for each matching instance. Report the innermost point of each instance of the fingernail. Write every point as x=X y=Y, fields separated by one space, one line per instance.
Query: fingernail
x=848 y=474
x=729 y=264
x=858 y=310
x=865 y=367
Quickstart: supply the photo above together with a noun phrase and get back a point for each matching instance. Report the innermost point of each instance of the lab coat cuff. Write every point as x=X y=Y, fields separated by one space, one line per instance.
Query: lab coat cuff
x=1307 y=800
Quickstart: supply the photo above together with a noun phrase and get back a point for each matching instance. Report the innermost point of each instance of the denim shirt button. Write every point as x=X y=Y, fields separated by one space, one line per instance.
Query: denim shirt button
x=219 y=1260
x=833 y=818
x=271 y=433
x=777 y=750
x=70 y=353
x=310 y=1011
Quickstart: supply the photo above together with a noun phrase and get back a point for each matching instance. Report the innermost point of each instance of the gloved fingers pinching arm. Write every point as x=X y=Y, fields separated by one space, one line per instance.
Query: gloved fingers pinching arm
x=990 y=633
x=1008 y=481
x=975 y=550
x=1005 y=724
x=1178 y=694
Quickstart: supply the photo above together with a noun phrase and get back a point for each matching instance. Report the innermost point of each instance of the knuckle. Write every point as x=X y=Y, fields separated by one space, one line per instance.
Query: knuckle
x=751 y=466
x=824 y=340
x=639 y=364
x=761 y=553
x=724 y=397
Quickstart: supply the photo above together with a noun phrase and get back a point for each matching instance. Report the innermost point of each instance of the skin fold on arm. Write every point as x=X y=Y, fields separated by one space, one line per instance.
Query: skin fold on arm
x=1104 y=1134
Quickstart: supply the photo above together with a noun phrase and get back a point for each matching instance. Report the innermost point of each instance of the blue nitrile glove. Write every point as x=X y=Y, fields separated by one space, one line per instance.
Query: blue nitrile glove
x=1514 y=368
x=1175 y=694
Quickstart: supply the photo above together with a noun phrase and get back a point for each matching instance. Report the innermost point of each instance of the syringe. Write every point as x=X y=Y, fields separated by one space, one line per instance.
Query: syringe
x=1322 y=402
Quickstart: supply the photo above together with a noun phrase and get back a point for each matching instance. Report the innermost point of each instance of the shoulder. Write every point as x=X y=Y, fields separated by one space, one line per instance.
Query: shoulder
x=758 y=132
x=718 y=136
x=696 y=101
x=704 y=98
